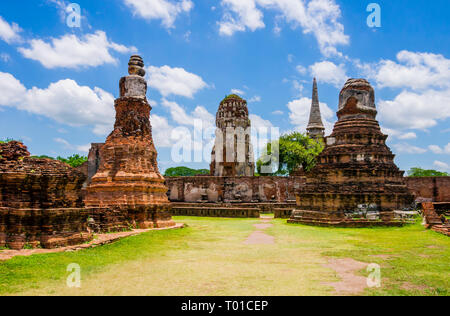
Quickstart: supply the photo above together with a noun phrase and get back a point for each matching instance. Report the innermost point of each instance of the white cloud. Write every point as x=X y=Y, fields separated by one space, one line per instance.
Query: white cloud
x=180 y=116
x=12 y=90
x=318 y=17
x=435 y=149
x=425 y=82
x=64 y=101
x=261 y=133
x=413 y=70
x=398 y=134
x=9 y=32
x=300 y=111
x=174 y=81
x=328 y=72
x=240 y=15
x=301 y=70
x=409 y=149
x=255 y=99
x=79 y=148
x=71 y=51
x=258 y=122
x=416 y=110
x=438 y=150
x=238 y=92
x=5 y=57
x=298 y=87
x=443 y=166
x=161 y=131
x=410 y=135
x=278 y=112
x=165 y=10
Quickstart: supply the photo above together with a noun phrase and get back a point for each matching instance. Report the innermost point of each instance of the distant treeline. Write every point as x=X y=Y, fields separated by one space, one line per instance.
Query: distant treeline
x=185 y=172
x=74 y=160
x=419 y=172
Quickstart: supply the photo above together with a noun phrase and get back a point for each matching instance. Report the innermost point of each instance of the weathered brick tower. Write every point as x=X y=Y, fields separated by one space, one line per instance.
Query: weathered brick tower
x=232 y=154
x=128 y=179
x=315 y=127
x=356 y=182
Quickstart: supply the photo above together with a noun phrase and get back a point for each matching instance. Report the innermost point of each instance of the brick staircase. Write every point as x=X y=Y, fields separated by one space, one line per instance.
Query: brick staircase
x=432 y=219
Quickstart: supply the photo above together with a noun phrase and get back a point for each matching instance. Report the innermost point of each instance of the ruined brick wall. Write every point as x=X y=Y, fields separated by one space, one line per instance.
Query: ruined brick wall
x=435 y=189
x=26 y=182
x=40 y=201
x=233 y=189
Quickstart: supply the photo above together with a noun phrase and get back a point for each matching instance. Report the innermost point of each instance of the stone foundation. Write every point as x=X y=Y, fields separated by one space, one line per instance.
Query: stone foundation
x=49 y=228
x=337 y=220
x=116 y=219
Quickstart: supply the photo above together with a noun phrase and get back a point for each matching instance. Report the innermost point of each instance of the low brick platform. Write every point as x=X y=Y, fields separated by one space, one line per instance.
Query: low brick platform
x=121 y=218
x=49 y=228
x=100 y=240
x=284 y=212
x=335 y=220
x=214 y=211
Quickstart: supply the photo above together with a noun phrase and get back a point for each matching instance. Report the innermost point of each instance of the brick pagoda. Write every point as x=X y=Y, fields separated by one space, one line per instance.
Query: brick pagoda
x=355 y=182
x=128 y=181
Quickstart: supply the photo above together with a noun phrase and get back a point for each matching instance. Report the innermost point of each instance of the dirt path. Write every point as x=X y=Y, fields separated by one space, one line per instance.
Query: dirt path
x=346 y=269
x=100 y=240
x=259 y=237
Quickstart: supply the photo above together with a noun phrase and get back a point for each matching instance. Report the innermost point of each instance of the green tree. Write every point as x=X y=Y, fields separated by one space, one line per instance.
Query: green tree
x=293 y=150
x=43 y=157
x=419 y=172
x=74 y=160
x=185 y=172
x=5 y=141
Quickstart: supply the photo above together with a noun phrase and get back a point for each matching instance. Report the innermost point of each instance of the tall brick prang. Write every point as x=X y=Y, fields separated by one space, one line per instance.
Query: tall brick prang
x=128 y=177
x=355 y=182
x=232 y=154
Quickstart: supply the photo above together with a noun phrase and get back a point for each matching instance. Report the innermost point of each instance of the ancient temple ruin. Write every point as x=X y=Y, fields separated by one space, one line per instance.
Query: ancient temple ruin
x=232 y=154
x=355 y=182
x=40 y=201
x=315 y=128
x=128 y=181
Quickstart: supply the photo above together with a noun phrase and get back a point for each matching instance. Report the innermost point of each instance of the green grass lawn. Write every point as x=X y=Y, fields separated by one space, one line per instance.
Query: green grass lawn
x=210 y=258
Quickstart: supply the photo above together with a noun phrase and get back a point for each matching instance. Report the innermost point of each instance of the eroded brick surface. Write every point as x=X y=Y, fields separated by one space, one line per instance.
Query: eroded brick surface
x=128 y=176
x=356 y=182
x=40 y=201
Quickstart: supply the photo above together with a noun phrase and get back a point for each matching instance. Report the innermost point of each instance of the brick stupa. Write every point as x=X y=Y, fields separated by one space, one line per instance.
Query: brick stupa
x=355 y=182
x=128 y=178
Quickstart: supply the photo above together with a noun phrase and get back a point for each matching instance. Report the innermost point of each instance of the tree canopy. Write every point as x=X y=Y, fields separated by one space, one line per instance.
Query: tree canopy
x=185 y=172
x=419 y=172
x=294 y=150
x=73 y=161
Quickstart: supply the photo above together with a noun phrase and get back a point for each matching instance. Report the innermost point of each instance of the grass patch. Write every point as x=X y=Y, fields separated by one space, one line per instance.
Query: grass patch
x=210 y=258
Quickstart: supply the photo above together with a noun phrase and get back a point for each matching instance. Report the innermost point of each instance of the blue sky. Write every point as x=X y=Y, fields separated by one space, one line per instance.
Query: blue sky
x=58 y=83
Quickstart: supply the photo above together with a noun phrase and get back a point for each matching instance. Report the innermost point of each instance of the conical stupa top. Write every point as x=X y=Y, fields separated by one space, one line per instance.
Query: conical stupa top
x=315 y=117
